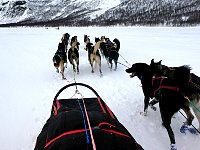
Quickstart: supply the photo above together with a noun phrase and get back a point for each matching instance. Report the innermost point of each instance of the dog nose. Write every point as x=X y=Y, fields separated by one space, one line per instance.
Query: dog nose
x=127 y=70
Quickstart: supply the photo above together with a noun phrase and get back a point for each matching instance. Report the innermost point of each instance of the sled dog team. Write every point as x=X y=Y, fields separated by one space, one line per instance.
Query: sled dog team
x=102 y=47
x=174 y=88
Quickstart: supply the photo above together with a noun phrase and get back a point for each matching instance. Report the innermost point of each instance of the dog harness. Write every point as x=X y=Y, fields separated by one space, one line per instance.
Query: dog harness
x=160 y=79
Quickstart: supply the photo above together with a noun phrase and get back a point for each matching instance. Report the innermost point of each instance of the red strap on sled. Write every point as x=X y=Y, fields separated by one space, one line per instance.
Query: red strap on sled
x=56 y=108
x=64 y=134
x=110 y=112
x=103 y=109
x=110 y=130
x=99 y=100
x=83 y=130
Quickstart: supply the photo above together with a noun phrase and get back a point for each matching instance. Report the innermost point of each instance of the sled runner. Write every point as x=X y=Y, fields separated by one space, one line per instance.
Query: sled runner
x=83 y=124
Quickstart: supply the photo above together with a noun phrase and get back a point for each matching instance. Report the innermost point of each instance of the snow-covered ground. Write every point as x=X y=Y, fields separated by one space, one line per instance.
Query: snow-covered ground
x=29 y=81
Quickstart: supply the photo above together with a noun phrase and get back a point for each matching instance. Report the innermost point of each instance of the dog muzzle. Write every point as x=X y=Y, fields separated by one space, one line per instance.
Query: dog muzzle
x=133 y=75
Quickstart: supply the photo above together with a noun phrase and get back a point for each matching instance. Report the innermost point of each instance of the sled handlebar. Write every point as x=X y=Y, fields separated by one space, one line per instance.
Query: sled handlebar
x=75 y=84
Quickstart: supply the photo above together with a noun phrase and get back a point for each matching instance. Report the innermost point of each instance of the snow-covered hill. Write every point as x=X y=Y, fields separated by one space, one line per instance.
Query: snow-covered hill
x=43 y=10
x=100 y=12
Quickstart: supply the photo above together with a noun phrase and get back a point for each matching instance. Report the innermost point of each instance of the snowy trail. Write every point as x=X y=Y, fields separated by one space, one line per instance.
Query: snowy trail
x=29 y=81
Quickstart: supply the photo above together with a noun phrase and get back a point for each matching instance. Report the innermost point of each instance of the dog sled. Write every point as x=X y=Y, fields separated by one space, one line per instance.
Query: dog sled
x=83 y=124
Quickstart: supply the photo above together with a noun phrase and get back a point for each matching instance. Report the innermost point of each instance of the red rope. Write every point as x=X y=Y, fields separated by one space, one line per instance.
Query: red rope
x=89 y=126
x=88 y=121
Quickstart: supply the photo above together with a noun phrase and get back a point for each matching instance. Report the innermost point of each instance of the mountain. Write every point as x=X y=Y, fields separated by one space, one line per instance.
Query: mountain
x=48 y=10
x=174 y=12
x=99 y=12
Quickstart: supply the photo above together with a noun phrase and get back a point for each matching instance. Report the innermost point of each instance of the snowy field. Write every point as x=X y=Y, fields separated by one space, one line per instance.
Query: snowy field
x=29 y=81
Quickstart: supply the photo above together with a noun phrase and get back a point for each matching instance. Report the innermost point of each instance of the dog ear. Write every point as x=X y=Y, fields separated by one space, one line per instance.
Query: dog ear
x=152 y=61
x=160 y=61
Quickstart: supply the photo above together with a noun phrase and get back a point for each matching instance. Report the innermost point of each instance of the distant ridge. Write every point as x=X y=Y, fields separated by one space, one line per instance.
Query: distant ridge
x=99 y=12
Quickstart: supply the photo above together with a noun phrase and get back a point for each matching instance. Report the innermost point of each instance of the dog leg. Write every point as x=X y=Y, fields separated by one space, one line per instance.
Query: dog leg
x=115 y=65
x=146 y=103
x=166 y=116
x=166 y=123
x=92 y=67
x=100 y=69
x=91 y=60
x=57 y=70
x=62 y=73
x=111 y=64
x=144 y=113
x=152 y=103
x=74 y=67
x=62 y=69
x=190 y=116
x=197 y=113
x=77 y=67
x=107 y=60
x=63 y=77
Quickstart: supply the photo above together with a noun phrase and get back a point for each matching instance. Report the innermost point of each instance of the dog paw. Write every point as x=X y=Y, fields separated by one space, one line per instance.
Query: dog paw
x=193 y=131
x=184 y=128
x=153 y=107
x=173 y=147
x=143 y=113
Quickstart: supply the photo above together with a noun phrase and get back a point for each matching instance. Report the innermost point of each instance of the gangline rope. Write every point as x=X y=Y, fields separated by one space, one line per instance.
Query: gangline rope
x=86 y=115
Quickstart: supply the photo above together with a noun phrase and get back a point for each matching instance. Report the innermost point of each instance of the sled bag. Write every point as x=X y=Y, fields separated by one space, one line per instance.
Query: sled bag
x=68 y=127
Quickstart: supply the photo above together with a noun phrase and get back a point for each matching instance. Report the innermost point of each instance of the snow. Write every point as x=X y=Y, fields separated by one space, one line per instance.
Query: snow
x=100 y=5
x=5 y=11
x=29 y=81
x=56 y=2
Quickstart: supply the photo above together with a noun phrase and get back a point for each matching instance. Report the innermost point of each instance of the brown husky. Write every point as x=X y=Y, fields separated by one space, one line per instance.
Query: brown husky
x=94 y=54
